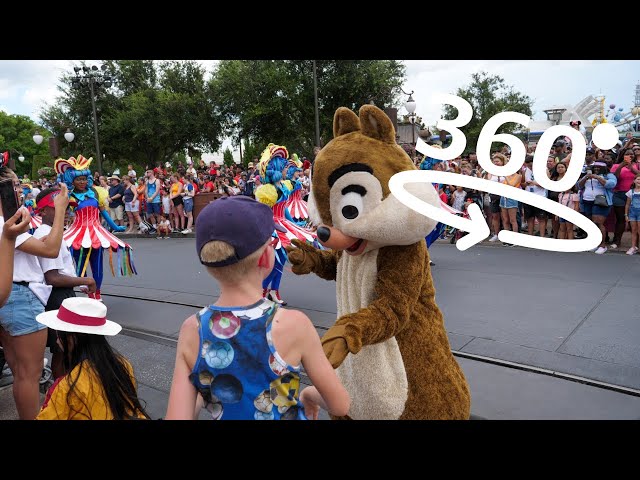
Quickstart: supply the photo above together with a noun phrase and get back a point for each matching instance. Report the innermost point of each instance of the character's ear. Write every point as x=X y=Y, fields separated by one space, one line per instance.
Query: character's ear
x=376 y=124
x=345 y=121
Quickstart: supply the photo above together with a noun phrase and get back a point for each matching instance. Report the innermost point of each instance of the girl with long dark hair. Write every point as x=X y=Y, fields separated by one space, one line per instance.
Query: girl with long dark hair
x=98 y=383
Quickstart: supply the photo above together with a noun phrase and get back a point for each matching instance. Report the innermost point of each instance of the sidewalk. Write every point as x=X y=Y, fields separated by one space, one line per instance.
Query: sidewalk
x=622 y=248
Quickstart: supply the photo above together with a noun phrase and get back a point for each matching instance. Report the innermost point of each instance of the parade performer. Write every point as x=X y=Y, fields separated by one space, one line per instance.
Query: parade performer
x=86 y=237
x=389 y=343
x=296 y=206
x=273 y=193
x=272 y=167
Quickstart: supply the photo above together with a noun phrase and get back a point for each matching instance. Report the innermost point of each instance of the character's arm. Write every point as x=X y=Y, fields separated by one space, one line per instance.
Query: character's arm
x=110 y=222
x=306 y=259
x=401 y=270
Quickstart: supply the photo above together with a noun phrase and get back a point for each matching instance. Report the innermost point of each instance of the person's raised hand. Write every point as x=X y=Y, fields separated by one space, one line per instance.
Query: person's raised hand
x=62 y=198
x=18 y=224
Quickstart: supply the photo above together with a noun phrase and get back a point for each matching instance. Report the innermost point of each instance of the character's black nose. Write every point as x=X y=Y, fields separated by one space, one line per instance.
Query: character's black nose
x=323 y=233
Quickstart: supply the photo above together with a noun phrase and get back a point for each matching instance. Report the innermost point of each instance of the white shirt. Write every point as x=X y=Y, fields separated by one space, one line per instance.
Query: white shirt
x=25 y=267
x=528 y=177
x=63 y=262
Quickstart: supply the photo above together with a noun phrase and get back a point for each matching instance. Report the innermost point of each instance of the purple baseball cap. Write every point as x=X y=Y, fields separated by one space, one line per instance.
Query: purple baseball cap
x=240 y=221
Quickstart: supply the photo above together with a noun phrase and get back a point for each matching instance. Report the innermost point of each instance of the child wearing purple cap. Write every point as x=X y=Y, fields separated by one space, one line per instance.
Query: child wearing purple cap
x=243 y=354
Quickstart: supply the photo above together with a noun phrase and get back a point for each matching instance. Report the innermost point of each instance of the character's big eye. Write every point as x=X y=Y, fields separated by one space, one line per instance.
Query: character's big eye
x=351 y=205
x=350 y=212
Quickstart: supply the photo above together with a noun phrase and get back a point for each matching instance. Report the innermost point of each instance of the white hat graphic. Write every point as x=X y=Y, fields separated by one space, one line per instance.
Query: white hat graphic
x=80 y=315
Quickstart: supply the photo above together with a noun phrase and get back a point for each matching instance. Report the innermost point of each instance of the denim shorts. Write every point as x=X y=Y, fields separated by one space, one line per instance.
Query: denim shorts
x=634 y=214
x=590 y=209
x=18 y=316
x=188 y=204
x=508 y=203
x=132 y=206
x=154 y=208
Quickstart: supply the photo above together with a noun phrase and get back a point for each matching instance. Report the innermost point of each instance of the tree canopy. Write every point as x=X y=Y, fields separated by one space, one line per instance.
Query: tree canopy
x=154 y=111
x=273 y=101
x=16 y=136
x=488 y=95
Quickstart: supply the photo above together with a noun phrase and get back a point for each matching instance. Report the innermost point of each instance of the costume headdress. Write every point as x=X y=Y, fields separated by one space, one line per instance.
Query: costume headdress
x=272 y=162
x=67 y=170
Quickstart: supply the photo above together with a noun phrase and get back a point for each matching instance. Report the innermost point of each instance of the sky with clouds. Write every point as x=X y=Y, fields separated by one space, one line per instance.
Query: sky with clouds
x=25 y=85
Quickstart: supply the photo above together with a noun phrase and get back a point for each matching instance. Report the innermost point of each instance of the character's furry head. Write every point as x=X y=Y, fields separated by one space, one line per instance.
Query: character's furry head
x=68 y=170
x=350 y=187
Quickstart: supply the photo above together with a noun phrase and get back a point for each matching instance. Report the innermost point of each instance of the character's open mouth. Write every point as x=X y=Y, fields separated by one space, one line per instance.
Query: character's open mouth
x=355 y=246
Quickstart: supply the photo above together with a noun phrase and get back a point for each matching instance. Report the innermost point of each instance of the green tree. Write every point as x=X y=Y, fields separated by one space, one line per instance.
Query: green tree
x=249 y=151
x=154 y=111
x=273 y=101
x=489 y=95
x=16 y=136
x=227 y=157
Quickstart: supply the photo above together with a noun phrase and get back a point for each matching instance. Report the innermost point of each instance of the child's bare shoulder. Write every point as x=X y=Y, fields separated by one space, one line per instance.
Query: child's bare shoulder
x=294 y=320
x=189 y=328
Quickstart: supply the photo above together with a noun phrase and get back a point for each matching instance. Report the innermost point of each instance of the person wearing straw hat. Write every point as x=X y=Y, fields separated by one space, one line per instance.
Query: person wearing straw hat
x=99 y=383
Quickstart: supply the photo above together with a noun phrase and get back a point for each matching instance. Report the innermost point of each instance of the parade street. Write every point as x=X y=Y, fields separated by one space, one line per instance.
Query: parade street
x=539 y=335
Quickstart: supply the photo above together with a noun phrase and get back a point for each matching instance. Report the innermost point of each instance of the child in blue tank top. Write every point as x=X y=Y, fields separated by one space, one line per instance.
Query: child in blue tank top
x=243 y=355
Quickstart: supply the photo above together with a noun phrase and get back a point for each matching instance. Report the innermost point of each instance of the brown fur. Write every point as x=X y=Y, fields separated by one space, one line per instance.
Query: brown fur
x=386 y=297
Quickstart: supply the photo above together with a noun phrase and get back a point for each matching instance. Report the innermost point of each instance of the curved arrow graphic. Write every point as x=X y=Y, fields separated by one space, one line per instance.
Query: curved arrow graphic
x=477 y=225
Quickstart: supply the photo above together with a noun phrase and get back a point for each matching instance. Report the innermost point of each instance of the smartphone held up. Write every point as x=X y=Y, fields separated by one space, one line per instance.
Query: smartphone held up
x=8 y=198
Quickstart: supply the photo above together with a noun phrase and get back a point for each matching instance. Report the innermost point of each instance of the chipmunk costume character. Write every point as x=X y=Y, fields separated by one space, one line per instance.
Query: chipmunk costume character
x=86 y=237
x=389 y=344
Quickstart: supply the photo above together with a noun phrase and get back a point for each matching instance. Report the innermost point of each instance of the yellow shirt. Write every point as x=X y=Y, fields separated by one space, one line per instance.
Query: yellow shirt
x=87 y=401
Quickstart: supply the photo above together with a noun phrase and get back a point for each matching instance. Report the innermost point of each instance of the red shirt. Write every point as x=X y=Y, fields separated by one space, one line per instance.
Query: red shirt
x=210 y=186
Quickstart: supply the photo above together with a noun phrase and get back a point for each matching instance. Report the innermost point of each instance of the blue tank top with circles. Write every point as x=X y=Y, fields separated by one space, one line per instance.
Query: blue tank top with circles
x=238 y=371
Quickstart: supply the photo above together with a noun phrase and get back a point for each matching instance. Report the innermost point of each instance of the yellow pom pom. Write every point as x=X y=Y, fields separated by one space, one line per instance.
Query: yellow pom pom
x=288 y=184
x=103 y=195
x=267 y=194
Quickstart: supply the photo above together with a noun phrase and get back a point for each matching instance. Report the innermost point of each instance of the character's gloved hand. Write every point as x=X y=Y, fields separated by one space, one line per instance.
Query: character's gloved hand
x=302 y=258
x=110 y=222
x=335 y=345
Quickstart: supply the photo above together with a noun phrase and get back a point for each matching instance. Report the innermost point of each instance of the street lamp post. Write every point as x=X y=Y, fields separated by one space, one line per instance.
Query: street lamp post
x=93 y=77
x=315 y=100
x=12 y=162
x=53 y=141
x=410 y=105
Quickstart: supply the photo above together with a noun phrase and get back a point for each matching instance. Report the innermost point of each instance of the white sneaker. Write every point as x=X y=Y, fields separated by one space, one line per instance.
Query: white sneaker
x=186 y=231
x=601 y=250
x=613 y=246
x=632 y=251
x=494 y=238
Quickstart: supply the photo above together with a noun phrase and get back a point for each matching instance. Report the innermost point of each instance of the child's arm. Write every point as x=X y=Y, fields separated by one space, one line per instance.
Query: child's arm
x=626 y=207
x=329 y=393
x=182 y=398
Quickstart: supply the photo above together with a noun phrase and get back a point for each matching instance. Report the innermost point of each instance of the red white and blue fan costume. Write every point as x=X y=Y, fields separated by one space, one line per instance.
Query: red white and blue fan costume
x=86 y=237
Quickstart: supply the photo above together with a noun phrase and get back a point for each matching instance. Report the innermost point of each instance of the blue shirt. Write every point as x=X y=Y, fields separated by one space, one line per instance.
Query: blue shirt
x=238 y=371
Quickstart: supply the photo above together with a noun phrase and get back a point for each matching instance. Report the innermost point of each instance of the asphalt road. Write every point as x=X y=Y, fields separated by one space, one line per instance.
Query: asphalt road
x=539 y=335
